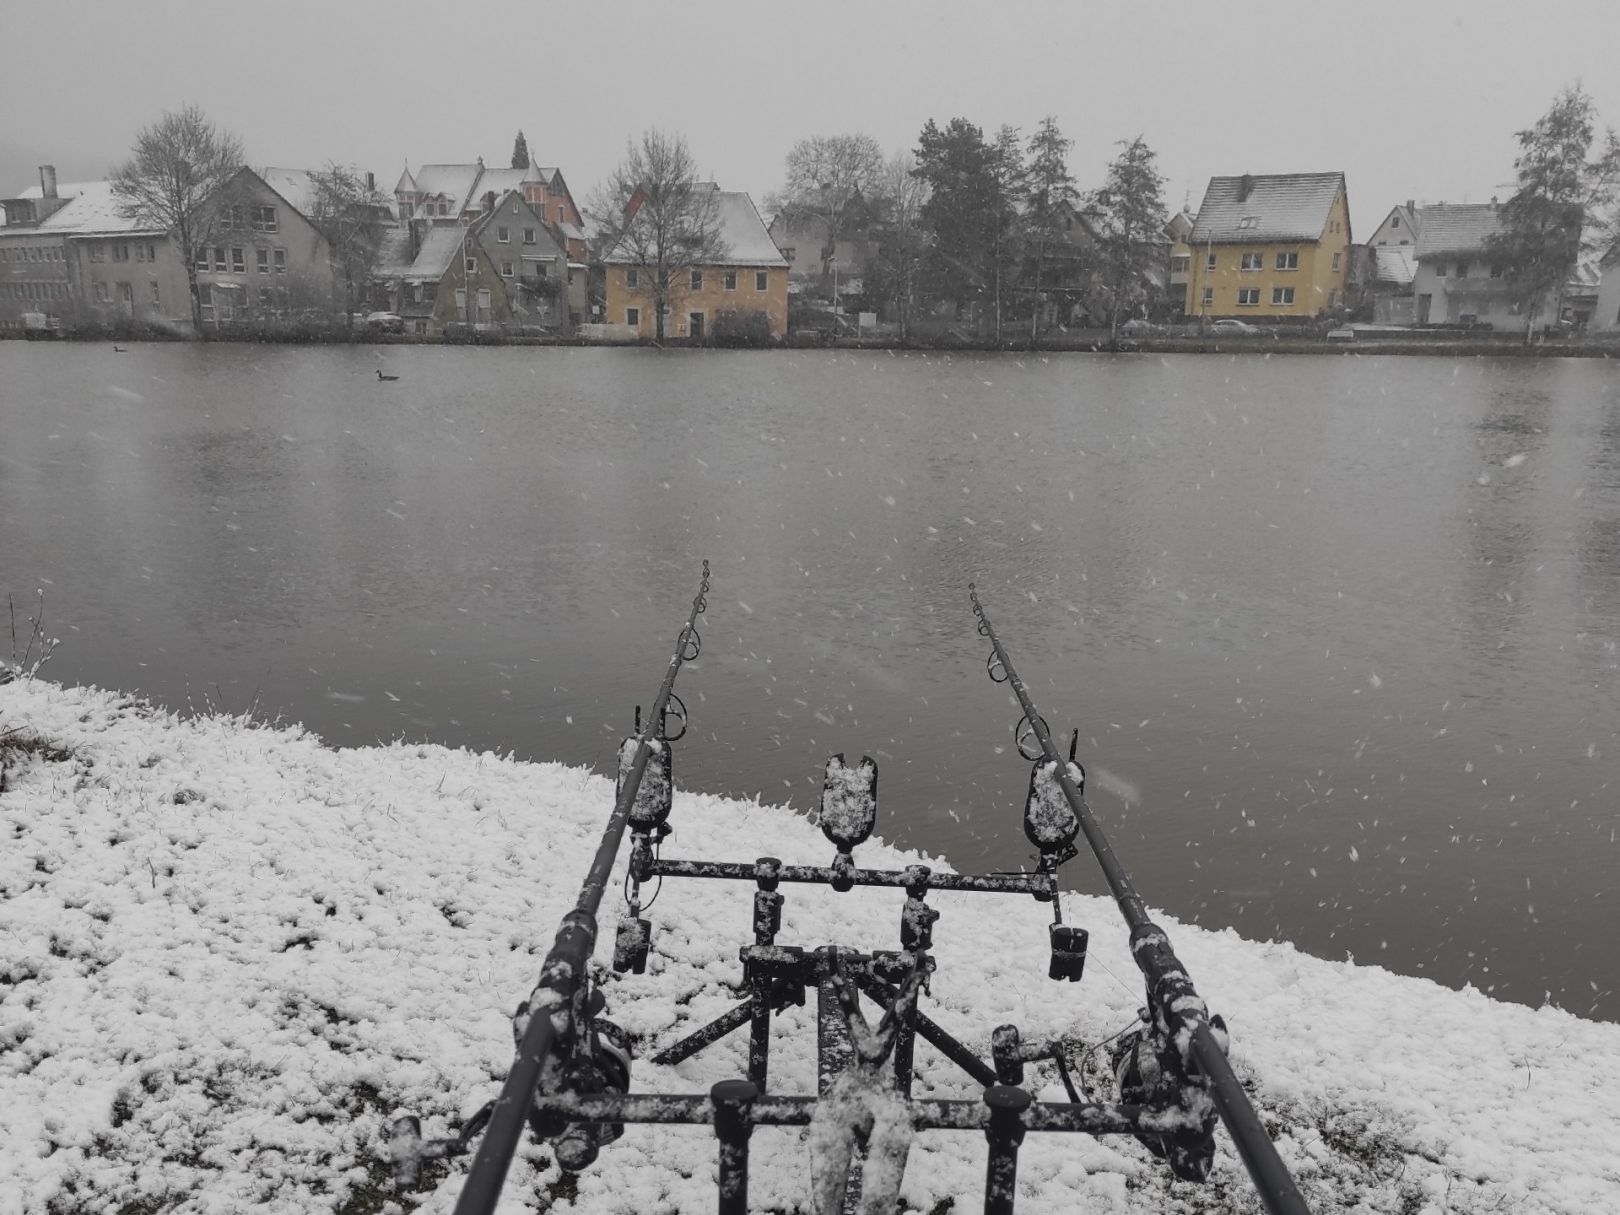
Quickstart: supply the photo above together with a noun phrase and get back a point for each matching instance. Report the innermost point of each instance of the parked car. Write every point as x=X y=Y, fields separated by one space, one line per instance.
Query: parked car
x=1232 y=327
x=1342 y=334
x=821 y=320
x=385 y=322
x=1138 y=327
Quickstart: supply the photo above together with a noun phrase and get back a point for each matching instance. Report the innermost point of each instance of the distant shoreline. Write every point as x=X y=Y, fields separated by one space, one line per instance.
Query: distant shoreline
x=1505 y=346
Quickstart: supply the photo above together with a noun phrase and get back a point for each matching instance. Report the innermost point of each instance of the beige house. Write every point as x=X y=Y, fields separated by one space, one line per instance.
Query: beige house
x=1456 y=282
x=743 y=290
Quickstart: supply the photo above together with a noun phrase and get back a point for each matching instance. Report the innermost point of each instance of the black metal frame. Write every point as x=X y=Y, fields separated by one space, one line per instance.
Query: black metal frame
x=569 y=1081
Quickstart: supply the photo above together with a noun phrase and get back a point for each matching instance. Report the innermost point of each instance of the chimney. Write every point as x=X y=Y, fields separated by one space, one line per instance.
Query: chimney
x=1245 y=187
x=371 y=182
x=47 y=180
x=1411 y=206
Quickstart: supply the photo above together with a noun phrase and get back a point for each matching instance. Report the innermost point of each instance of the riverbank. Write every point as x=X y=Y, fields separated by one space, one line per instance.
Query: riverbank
x=1078 y=342
x=231 y=953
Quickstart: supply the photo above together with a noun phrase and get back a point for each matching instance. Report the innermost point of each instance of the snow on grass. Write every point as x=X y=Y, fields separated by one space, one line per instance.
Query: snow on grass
x=228 y=953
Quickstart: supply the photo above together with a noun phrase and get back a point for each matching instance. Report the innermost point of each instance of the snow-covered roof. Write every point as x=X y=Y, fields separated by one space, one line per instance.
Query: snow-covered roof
x=406 y=183
x=95 y=209
x=297 y=186
x=500 y=181
x=1266 y=207
x=1394 y=264
x=64 y=189
x=455 y=182
x=747 y=243
x=1450 y=228
x=440 y=248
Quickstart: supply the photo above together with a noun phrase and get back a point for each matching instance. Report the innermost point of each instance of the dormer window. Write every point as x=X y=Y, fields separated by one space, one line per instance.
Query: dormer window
x=1249 y=221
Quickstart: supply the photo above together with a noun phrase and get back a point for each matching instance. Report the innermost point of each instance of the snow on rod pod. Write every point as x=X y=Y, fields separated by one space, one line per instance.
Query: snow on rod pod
x=565 y=965
x=1174 y=1001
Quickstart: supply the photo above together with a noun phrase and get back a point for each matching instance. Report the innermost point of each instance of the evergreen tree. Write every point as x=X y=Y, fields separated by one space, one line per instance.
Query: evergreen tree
x=520 y=152
x=1048 y=189
x=1131 y=241
x=961 y=215
x=1564 y=195
x=1007 y=166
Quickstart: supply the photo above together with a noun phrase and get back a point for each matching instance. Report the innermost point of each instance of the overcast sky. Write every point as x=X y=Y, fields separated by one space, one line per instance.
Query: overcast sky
x=1410 y=101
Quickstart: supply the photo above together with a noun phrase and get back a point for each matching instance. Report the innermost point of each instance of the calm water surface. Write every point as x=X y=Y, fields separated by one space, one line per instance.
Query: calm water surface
x=1339 y=634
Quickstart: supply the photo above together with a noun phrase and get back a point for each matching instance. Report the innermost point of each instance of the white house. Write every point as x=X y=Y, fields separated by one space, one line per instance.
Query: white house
x=1456 y=283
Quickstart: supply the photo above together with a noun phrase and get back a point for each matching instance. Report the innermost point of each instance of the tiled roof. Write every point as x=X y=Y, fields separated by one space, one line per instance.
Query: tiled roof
x=747 y=242
x=1450 y=228
x=1394 y=264
x=1282 y=206
x=393 y=253
x=64 y=189
x=440 y=248
x=94 y=209
x=406 y=183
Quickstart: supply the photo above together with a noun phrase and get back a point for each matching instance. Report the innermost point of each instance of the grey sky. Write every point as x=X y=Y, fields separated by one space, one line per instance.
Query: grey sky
x=1411 y=101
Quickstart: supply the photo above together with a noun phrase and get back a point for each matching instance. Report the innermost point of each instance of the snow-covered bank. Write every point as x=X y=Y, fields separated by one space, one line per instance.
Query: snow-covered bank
x=228 y=952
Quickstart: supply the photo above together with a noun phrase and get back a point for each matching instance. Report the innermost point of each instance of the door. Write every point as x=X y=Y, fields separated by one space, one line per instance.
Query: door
x=694 y=326
x=1423 y=308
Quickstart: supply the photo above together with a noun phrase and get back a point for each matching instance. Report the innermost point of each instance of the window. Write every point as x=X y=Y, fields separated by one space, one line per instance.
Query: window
x=1179 y=265
x=126 y=293
x=694 y=325
x=472 y=265
x=729 y=280
x=238 y=260
x=1440 y=269
x=157 y=295
x=1496 y=269
x=98 y=253
x=1209 y=296
x=120 y=253
x=1249 y=221
x=1253 y=261
x=264 y=220
x=1462 y=269
x=151 y=253
x=483 y=297
x=1249 y=297
x=632 y=278
x=761 y=279
x=1395 y=222
x=506 y=269
x=219 y=259
x=1337 y=257
x=1209 y=262
x=697 y=280
x=140 y=253
x=461 y=299
x=443 y=208
x=264 y=299
x=528 y=236
x=201 y=259
x=1287 y=261
x=503 y=235
x=101 y=292
x=632 y=317
x=562 y=214
x=263 y=258
x=1282 y=296
x=281 y=261
x=543 y=269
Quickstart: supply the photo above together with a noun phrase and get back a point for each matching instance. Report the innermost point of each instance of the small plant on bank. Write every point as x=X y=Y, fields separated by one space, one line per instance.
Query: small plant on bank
x=29 y=664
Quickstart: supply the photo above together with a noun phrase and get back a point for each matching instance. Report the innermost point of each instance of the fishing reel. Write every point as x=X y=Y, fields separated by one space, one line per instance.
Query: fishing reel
x=1150 y=1073
x=597 y=1061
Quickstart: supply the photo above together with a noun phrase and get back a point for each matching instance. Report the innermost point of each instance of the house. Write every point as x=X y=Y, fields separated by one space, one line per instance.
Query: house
x=260 y=258
x=1394 y=268
x=459 y=193
x=540 y=287
x=1456 y=283
x=35 y=277
x=744 y=288
x=1273 y=248
x=443 y=283
x=1400 y=226
x=802 y=238
x=1579 y=303
x=1606 y=311
x=1178 y=231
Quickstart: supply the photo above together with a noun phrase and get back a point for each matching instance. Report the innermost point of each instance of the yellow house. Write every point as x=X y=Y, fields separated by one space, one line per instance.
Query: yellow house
x=1270 y=248
x=741 y=293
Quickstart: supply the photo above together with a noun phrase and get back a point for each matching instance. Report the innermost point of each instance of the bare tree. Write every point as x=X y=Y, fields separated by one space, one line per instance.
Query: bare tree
x=352 y=216
x=899 y=194
x=177 y=166
x=662 y=222
x=827 y=176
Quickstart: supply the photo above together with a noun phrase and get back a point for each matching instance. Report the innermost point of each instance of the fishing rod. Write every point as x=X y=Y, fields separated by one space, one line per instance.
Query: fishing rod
x=1182 y=1043
x=558 y=1008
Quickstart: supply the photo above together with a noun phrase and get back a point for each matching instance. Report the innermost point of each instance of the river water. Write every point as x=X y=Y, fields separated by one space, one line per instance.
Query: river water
x=1339 y=634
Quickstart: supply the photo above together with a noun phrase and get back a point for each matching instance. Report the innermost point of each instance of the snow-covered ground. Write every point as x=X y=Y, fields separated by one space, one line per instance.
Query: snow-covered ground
x=229 y=952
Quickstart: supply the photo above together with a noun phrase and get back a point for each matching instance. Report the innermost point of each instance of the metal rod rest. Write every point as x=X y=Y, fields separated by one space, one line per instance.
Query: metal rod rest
x=985 y=883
